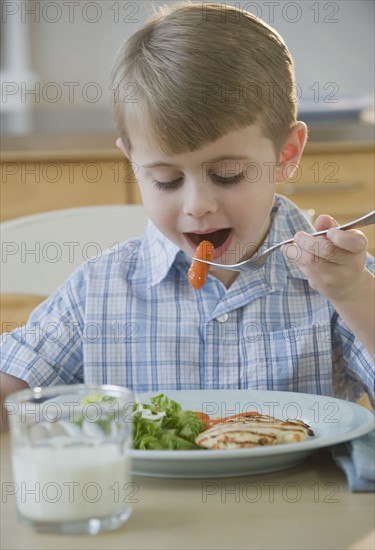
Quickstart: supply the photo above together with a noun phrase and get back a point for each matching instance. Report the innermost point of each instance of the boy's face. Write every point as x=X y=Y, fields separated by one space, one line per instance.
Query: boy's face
x=223 y=192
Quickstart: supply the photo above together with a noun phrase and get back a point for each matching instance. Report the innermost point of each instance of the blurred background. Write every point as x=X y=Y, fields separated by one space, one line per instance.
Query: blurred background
x=56 y=58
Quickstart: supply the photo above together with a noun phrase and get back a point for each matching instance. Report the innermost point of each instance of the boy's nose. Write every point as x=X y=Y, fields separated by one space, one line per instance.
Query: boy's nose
x=199 y=200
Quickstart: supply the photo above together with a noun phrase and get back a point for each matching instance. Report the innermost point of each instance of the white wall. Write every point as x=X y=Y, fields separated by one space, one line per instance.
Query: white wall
x=73 y=43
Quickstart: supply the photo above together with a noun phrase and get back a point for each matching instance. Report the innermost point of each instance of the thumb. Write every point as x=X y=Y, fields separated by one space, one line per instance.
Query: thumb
x=325 y=222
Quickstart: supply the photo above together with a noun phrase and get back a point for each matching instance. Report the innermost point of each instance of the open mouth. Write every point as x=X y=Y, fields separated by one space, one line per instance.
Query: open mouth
x=217 y=238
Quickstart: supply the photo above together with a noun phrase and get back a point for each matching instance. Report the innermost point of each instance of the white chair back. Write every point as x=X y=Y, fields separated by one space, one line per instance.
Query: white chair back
x=40 y=251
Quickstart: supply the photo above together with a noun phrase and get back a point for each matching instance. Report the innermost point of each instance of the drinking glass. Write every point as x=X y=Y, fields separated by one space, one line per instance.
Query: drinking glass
x=71 y=457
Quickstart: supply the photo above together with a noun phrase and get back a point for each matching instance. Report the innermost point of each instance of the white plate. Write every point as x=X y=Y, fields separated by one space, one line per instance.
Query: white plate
x=332 y=420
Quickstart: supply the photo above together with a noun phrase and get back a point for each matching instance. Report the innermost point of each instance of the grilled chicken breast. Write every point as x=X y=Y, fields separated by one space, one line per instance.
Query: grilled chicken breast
x=252 y=431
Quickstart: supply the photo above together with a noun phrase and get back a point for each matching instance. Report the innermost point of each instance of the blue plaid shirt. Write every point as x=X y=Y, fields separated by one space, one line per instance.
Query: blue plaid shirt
x=130 y=317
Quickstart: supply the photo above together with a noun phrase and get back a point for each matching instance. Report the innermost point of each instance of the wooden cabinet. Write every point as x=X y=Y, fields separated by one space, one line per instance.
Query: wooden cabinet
x=51 y=173
x=336 y=179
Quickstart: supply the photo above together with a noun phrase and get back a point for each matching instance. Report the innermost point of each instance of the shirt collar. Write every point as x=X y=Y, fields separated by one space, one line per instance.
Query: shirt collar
x=287 y=220
x=159 y=254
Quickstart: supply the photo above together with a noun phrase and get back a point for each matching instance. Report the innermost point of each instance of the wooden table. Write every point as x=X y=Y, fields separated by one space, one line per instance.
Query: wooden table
x=306 y=507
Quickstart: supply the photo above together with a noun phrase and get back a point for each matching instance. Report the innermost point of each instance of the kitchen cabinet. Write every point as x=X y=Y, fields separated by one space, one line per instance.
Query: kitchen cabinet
x=48 y=173
x=336 y=179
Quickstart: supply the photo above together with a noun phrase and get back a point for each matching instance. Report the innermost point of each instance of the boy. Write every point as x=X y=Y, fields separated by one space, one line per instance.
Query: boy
x=206 y=110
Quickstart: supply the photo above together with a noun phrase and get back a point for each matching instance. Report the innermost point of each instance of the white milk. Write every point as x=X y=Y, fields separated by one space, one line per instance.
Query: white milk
x=71 y=483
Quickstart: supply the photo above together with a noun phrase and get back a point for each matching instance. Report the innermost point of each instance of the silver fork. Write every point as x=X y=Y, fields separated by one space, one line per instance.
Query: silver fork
x=255 y=262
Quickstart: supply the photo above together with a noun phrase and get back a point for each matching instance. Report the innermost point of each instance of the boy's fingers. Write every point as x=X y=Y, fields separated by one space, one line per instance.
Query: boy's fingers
x=353 y=241
x=326 y=247
x=309 y=250
x=325 y=222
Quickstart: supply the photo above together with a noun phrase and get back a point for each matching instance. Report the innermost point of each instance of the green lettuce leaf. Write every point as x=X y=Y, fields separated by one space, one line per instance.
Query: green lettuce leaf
x=176 y=430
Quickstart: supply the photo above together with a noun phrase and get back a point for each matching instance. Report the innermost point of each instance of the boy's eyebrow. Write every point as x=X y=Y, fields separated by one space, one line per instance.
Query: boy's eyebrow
x=228 y=157
x=218 y=159
x=158 y=163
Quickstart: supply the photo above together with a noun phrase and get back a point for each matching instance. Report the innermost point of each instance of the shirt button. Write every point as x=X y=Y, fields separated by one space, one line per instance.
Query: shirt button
x=222 y=318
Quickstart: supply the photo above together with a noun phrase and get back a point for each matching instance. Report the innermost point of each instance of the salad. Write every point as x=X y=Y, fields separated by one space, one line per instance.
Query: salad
x=162 y=424
x=165 y=425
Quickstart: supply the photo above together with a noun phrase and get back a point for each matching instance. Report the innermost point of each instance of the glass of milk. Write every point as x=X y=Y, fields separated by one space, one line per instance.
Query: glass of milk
x=71 y=457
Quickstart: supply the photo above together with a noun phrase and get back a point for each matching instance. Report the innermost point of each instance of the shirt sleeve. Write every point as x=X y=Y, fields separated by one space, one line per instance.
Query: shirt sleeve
x=356 y=361
x=48 y=349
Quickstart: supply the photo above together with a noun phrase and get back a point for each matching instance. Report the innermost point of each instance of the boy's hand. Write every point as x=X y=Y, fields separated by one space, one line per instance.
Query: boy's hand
x=333 y=263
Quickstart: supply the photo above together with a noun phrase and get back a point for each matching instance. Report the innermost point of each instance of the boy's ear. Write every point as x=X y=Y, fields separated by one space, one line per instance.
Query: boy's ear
x=120 y=145
x=291 y=152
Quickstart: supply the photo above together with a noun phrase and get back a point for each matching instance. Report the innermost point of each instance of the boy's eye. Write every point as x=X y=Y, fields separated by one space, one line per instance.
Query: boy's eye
x=227 y=181
x=167 y=185
x=174 y=184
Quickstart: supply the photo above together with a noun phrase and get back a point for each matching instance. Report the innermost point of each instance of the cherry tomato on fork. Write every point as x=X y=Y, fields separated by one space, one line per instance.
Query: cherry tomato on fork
x=198 y=271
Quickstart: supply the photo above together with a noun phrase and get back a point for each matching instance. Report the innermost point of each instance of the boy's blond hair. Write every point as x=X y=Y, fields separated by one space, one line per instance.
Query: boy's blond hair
x=195 y=72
